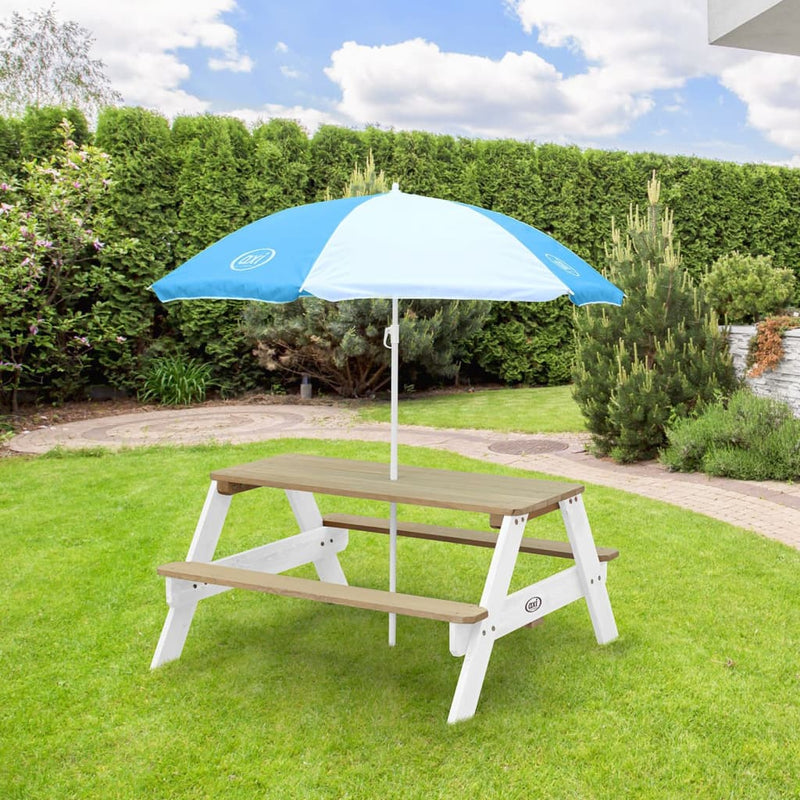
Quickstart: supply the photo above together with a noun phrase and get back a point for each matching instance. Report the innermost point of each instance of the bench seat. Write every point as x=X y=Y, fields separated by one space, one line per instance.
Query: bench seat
x=356 y=596
x=418 y=530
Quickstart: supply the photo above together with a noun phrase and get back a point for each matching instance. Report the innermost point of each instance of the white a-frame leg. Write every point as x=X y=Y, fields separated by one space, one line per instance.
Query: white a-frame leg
x=182 y=604
x=482 y=635
x=591 y=573
x=509 y=612
x=314 y=544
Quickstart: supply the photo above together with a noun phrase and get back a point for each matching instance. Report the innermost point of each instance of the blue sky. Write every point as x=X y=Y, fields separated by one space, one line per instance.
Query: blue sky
x=612 y=74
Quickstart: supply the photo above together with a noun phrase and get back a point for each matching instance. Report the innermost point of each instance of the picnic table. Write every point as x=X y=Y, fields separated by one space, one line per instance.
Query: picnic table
x=474 y=627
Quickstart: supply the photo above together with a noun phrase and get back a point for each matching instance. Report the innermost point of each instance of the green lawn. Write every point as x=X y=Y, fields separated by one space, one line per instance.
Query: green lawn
x=547 y=409
x=281 y=698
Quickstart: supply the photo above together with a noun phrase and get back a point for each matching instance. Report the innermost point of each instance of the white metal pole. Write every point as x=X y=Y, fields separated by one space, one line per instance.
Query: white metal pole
x=395 y=342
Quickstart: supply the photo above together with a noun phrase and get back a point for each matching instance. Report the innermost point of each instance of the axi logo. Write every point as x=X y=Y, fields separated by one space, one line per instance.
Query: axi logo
x=561 y=264
x=252 y=259
x=533 y=604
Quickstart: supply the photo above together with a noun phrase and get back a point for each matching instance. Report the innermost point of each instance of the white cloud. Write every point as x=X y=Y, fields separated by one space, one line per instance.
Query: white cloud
x=644 y=46
x=288 y=72
x=234 y=63
x=415 y=84
x=281 y=47
x=138 y=41
x=770 y=87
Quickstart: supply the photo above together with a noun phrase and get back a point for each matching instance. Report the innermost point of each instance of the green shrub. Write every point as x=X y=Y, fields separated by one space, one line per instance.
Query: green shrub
x=744 y=288
x=176 y=381
x=750 y=438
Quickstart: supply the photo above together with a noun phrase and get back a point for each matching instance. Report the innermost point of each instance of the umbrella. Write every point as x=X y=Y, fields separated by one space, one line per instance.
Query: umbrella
x=391 y=245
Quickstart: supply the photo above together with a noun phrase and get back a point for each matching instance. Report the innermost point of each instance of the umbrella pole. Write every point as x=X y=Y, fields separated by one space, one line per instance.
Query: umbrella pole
x=394 y=337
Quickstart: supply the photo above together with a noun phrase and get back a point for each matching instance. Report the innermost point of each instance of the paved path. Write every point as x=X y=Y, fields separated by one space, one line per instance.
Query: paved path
x=769 y=508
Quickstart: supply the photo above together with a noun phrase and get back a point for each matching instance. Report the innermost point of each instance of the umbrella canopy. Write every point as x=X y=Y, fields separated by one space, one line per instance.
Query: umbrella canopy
x=387 y=245
x=392 y=245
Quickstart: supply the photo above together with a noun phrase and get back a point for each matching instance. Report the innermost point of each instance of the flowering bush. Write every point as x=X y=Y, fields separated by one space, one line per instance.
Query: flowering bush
x=50 y=234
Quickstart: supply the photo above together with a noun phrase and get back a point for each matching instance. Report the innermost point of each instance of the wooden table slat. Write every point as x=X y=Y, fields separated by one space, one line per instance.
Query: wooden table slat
x=479 y=492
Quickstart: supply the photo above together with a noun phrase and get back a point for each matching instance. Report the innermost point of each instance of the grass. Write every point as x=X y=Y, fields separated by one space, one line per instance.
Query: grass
x=547 y=409
x=281 y=698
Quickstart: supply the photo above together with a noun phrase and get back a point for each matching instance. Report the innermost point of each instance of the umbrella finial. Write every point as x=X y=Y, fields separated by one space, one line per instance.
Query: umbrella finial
x=395 y=187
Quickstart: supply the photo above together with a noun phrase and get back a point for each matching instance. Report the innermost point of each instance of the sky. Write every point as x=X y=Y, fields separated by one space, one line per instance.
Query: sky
x=614 y=75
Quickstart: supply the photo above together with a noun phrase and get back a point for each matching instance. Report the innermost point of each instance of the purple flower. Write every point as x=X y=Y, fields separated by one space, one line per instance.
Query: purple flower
x=82 y=339
x=76 y=184
x=27 y=260
x=43 y=243
x=5 y=208
x=121 y=339
x=98 y=245
x=34 y=329
x=4 y=187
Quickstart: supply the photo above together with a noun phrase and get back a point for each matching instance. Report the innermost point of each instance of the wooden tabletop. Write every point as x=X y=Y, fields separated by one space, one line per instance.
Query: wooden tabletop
x=465 y=491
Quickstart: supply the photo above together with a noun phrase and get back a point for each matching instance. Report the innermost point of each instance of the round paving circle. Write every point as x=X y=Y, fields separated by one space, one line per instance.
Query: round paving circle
x=528 y=447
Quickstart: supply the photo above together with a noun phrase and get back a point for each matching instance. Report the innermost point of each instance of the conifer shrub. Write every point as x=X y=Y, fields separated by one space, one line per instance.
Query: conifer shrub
x=659 y=357
x=744 y=288
x=749 y=438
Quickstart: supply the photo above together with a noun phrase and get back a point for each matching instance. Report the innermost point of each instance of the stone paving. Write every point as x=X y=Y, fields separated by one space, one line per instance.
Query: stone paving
x=769 y=508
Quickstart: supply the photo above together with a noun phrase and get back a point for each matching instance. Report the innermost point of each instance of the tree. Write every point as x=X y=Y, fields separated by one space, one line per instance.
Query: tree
x=658 y=357
x=44 y=62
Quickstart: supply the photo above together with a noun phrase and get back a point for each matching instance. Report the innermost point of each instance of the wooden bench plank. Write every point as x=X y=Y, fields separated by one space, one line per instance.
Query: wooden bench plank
x=356 y=596
x=418 y=530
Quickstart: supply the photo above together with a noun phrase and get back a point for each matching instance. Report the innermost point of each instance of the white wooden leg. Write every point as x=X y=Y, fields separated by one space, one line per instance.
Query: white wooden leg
x=182 y=608
x=173 y=635
x=473 y=671
x=590 y=573
x=483 y=635
x=209 y=526
x=306 y=512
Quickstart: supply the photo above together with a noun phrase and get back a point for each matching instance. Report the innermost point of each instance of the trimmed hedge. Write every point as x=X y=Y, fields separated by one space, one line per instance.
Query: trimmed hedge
x=178 y=188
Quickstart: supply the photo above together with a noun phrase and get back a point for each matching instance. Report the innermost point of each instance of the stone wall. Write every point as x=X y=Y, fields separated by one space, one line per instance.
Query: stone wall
x=783 y=382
